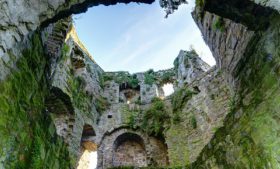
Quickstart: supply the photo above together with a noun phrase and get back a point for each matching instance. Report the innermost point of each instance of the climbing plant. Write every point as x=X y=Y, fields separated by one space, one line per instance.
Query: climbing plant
x=155 y=118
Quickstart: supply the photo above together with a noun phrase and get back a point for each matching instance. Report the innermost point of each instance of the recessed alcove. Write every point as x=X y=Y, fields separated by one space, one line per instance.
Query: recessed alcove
x=129 y=150
x=88 y=149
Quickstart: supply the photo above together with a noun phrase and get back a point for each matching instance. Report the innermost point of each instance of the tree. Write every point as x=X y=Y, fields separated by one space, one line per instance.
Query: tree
x=171 y=5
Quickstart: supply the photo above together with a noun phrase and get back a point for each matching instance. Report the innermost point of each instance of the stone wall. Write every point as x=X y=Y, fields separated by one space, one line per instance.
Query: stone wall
x=201 y=116
x=130 y=152
x=74 y=78
x=227 y=42
x=188 y=65
x=49 y=98
x=249 y=137
x=123 y=143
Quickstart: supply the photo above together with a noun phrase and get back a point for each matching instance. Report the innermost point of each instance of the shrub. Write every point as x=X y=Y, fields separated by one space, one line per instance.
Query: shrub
x=133 y=81
x=200 y=3
x=219 y=24
x=149 y=77
x=101 y=104
x=107 y=77
x=167 y=77
x=123 y=77
x=155 y=117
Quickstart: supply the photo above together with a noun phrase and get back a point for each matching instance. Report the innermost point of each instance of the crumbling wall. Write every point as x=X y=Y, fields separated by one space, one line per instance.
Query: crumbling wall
x=201 y=115
x=249 y=138
x=47 y=99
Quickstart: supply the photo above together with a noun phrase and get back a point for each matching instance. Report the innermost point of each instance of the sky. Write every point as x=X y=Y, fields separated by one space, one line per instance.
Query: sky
x=137 y=37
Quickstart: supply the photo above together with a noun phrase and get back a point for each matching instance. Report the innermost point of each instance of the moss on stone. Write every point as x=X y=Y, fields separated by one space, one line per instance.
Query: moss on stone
x=219 y=24
x=250 y=138
x=28 y=138
x=80 y=99
x=101 y=104
x=131 y=118
x=179 y=100
x=200 y=3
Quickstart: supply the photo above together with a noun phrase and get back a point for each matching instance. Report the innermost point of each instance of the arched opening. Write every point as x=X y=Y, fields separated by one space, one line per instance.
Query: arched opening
x=129 y=150
x=88 y=159
x=129 y=94
x=168 y=89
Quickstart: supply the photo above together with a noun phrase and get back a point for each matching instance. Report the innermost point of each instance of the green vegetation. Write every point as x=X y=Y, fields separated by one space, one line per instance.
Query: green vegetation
x=28 y=138
x=219 y=24
x=193 y=121
x=65 y=50
x=251 y=131
x=155 y=118
x=149 y=77
x=107 y=77
x=131 y=117
x=200 y=3
x=152 y=121
x=101 y=80
x=167 y=77
x=133 y=82
x=101 y=104
x=176 y=63
x=131 y=167
x=121 y=78
x=179 y=100
x=80 y=99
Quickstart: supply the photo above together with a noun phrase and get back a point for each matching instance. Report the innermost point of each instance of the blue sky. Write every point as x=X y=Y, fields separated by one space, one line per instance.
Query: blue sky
x=137 y=37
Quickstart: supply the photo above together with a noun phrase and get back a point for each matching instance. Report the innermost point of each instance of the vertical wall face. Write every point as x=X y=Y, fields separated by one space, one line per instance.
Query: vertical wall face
x=199 y=118
x=34 y=142
x=227 y=41
x=249 y=138
x=188 y=66
x=130 y=153
x=125 y=147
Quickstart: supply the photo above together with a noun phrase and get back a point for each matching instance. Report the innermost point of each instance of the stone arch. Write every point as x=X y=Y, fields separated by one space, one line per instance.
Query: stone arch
x=88 y=148
x=155 y=148
x=88 y=133
x=129 y=150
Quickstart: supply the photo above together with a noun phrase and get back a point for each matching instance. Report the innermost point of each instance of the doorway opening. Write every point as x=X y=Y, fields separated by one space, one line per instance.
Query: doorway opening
x=89 y=149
